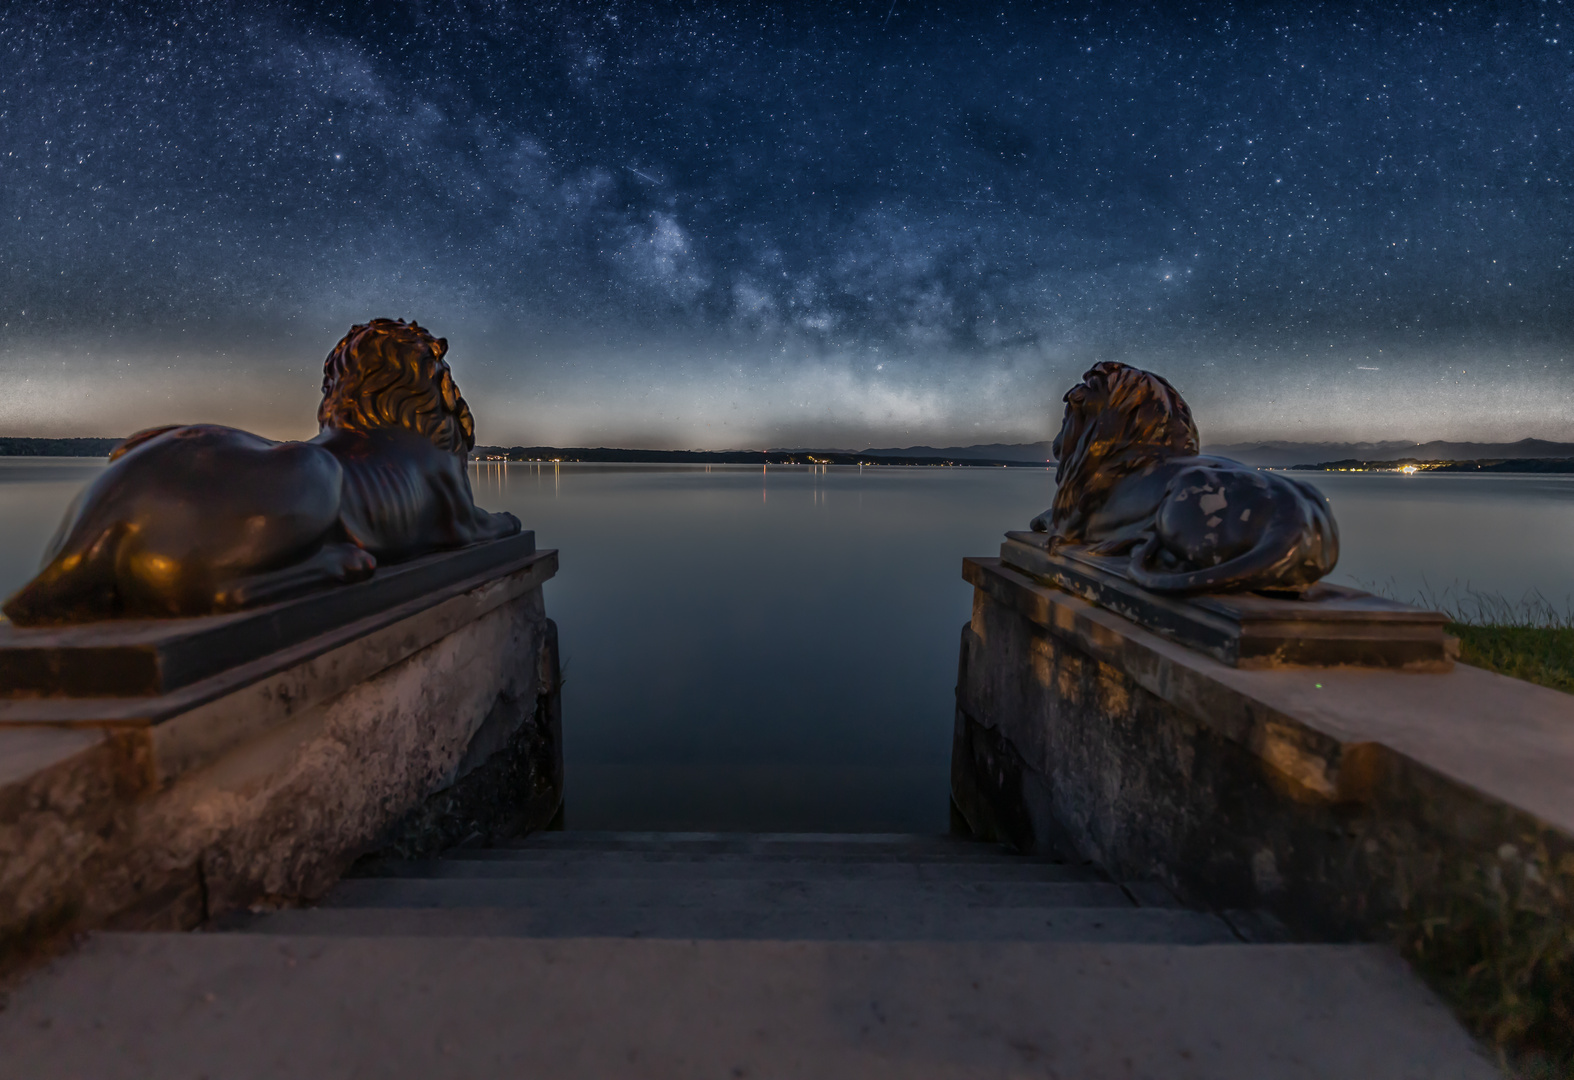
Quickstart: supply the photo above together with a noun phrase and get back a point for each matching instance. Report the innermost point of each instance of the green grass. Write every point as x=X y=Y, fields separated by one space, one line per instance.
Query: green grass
x=1509 y=960
x=1540 y=654
x=1506 y=953
x=1530 y=638
x=1498 y=941
x=1500 y=947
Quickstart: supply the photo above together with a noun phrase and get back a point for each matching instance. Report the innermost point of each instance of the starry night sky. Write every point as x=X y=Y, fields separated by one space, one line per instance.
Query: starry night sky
x=840 y=225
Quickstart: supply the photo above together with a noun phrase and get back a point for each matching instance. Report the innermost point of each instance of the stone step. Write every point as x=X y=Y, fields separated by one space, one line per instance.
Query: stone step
x=840 y=845
x=985 y=856
x=718 y=894
x=128 y=1006
x=769 y=921
x=611 y=865
x=573 y=837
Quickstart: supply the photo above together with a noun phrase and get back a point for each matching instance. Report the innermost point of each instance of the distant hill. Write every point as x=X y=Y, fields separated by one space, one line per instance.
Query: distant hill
x=728 y=457
x=1026 y=453
x=1274 y=454
x=920 y=455
x=1491 y=465
x=19 y=447
x=1282 y=455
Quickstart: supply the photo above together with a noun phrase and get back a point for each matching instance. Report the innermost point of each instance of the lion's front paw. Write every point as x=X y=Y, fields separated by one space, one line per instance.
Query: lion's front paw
x=356 y=564
x=1040 y=523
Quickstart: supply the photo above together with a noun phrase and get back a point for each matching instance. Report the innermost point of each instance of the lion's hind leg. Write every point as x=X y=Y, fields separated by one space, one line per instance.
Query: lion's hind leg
x=1120 y=543
x=335 y=564
x=78 y=584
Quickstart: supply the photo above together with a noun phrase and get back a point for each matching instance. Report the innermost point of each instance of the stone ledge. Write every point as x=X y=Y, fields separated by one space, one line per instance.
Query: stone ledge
x=426 y=1008
x=105 y=710
x=137 y=657
x=264 y=782
x=1326 y=625
x=1430 y=810
x=198 y=723
x=1508 y=740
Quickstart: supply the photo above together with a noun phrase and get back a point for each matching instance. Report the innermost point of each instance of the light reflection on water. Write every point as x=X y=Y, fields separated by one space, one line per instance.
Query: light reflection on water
x=776 y=648
x=752 y=647
x=1501 y=534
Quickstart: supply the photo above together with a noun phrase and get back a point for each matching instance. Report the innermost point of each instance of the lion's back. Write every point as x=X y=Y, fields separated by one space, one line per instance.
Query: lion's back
x=207 y=484
x=403 y=496
x=175 y=514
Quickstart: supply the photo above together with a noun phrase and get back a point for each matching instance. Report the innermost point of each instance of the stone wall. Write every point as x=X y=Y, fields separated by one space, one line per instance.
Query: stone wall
x=438 y=727
x=1432 y=810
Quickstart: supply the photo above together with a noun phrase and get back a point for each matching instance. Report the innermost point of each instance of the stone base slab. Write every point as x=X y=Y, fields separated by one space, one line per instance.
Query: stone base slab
x=1434 y=810
x=182 y=1005
x=148 y=657
x=1324 y=626
x=268 y=792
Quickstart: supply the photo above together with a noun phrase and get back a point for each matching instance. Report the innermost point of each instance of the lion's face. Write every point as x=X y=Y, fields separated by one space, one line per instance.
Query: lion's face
x=1117 y=419
x=389 y=373
x=1071 y=424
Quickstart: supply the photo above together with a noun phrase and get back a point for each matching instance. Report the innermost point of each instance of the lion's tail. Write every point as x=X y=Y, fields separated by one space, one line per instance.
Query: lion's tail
x=1282 y=559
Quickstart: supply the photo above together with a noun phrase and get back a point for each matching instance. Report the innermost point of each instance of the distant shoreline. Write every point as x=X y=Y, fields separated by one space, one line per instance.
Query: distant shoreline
x=1414 y=465
x=18 y=446
x=27 y=447
x=96 y=447
x=602 y=454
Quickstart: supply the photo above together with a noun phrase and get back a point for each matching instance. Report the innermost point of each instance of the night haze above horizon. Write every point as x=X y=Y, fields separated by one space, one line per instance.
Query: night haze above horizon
x=745 y=225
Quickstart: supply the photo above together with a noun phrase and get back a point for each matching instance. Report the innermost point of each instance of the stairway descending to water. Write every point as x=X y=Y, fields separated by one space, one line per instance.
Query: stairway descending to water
x=585 y=954
x=837 y=887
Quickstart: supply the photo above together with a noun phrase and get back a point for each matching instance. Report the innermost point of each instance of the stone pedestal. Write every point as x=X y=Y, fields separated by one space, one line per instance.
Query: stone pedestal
x=1325 y=625
x=1433 y=809
x=157 y=773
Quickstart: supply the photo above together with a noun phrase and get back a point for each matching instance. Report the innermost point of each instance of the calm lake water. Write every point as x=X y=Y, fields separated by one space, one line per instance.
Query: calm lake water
x=749 y=649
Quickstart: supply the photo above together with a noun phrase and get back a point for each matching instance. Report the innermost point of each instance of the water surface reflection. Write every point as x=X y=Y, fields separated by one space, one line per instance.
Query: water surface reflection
x=776 y=648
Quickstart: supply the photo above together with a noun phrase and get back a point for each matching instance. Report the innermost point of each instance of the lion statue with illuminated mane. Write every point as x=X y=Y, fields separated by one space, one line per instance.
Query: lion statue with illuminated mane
x=1130 y=479
x=195 y=519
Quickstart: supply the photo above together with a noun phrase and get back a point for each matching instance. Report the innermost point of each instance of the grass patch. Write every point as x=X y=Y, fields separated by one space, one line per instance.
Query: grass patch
x=1500 y=947
x=1540 y=654
x=1498 y=941
x=1530 y=638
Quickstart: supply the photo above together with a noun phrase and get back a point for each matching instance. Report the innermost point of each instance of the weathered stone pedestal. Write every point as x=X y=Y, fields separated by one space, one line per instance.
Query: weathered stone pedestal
x=154 y=774
x=1319 y=802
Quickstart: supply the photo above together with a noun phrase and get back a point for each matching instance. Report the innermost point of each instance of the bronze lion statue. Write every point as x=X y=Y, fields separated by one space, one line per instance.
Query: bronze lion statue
x=195 y=519
x=1130 y=479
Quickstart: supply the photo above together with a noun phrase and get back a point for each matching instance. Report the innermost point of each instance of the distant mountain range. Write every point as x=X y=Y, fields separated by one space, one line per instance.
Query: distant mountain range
x=1272 y=454
x=26 y=447
x=989 y=454
x=1487 y=465
x=929 y=456
x=1280 y=455
x=1028 y=453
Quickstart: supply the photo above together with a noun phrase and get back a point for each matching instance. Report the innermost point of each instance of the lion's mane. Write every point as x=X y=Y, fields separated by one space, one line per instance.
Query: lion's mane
x=1118 y=420
x=389 y=373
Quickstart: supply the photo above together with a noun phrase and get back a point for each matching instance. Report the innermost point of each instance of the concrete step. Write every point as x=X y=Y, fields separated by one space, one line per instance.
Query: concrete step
x=718 y=893
x=759 y=922
x=837 y=845
x=583 y=837
x=687 y=853
x=609 y=865
x=236 y=1005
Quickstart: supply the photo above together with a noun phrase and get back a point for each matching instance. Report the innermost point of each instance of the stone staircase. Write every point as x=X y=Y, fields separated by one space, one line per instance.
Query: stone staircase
x=731 y=955
x=852 y=887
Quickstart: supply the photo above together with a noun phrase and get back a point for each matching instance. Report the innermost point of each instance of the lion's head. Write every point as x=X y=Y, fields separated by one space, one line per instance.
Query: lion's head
x=390 y=373
x=1118 y=419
